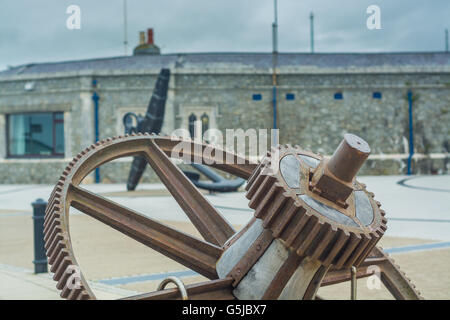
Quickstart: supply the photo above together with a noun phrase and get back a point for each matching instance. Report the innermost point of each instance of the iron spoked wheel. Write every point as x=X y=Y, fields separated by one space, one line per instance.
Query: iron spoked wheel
x=198 y=255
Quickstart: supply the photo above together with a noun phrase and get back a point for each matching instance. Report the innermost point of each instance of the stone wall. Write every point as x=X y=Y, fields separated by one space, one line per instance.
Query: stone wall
x=314 y=120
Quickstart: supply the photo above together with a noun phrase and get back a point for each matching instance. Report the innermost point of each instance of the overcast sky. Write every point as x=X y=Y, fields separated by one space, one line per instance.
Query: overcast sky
x=35 y=31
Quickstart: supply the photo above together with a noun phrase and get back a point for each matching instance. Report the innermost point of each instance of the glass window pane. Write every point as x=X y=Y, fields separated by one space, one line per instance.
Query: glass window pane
x=59 y=137
x=35 y=134
x=59 y=116
x=17 y=134
x=40 y=134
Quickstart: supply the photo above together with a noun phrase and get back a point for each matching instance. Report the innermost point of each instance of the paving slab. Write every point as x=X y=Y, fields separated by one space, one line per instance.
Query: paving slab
x=22 y=284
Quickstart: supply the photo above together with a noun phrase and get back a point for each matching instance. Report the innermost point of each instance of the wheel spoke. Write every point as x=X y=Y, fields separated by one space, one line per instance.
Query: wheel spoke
x=208 y=221
x=185 y=249
x=239 y=166
x=211 y=290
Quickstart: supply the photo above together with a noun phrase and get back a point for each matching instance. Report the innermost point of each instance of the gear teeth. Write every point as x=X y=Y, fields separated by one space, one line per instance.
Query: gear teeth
x=57 y=261
x=65 y=292
x=261 y=190
x=303 y=232
x=73 y=295
x=55 y=241
x=56 y=236
x=402 y=273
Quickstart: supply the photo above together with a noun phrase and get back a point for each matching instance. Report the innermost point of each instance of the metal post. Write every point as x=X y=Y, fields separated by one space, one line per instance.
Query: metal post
x=411 y=132
x=96 y=98
x=353 y=283
x=125 y=32
x=274 y=67
x=311 y=24
x=40 y=258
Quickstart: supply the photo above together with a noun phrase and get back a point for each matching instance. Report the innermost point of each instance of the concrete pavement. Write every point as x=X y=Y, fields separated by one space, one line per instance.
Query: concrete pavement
x=418 y=235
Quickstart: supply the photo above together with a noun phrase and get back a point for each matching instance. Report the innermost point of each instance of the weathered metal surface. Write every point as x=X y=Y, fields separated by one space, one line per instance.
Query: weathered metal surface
x=258 y=278
x=236 y=251
x=211 y=290
x=393 y=278
x=208 y=221
x=308 y=223
x=300 y=280
x=349 y=157
x=334 y=177
x=290 y=171
x=177 y=281
x=327 y=211
x=187 y=250
x=195 y=254
x=286 y=251
x=314 y=225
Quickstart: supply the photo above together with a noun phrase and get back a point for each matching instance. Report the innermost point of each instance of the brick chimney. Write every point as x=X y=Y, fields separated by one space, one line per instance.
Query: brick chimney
x=146 y=47
x=150 y=36
x=141 y=37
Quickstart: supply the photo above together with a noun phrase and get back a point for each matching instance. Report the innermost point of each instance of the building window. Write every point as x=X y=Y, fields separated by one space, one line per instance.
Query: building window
x=35 y=135
x=290 y=96
x=338 y=96
x=257 y=97
x=376 y=95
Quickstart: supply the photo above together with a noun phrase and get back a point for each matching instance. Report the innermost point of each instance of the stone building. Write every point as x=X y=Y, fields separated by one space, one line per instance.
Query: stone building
x=47 y=110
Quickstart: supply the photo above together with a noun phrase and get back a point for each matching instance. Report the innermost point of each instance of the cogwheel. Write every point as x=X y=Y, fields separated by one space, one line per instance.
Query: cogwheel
x=315 y=205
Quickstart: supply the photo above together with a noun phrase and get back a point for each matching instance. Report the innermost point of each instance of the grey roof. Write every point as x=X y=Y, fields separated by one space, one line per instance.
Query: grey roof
x=251 y=60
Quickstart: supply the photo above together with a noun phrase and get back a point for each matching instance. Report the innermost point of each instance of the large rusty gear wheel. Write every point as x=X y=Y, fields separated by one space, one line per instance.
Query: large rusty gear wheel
x=198 y=255
x=280 y=192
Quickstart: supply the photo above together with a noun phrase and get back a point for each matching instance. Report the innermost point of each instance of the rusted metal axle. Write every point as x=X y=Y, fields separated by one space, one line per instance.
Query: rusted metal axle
x=333 y=179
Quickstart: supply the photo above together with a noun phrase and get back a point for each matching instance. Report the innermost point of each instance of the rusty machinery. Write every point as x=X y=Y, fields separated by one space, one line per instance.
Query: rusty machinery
x=313 y=225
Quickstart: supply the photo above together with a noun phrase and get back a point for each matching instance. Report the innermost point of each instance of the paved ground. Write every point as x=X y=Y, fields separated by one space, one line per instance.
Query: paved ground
x=418 y=212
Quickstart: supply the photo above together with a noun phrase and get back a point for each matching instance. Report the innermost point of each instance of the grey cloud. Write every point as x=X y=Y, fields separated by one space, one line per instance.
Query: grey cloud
x=35 y=31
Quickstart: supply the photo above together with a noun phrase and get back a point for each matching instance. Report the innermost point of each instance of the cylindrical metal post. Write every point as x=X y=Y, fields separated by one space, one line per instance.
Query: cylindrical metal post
x=411 y=132
x=353 y=283
x=40 y=258
x=96 y=98
x=349 y=157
